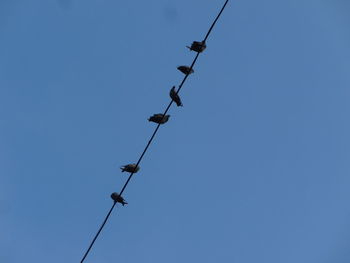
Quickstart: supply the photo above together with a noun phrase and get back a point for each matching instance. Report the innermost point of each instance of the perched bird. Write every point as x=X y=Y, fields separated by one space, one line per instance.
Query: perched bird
x=118 y=198
x=197 y=46
x=159 y=118
x=175 y=97
x=130 y=168
x=185 y=70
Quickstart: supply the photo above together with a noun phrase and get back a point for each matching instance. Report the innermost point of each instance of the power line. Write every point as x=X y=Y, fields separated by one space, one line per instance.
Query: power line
x=216 y=19
x=98 y=232
x=152 y=137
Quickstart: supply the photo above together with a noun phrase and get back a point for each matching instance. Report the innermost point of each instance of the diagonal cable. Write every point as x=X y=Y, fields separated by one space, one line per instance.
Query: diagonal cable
x=152 y=137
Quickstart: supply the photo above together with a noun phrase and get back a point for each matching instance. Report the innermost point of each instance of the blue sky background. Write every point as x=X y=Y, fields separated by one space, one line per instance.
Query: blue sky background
x=254 y=167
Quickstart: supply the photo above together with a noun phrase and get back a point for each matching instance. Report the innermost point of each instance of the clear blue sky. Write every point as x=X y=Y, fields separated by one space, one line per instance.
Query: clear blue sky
x=254 y=168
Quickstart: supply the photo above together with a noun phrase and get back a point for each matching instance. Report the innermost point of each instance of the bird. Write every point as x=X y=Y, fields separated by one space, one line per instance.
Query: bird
x=159 y=118
x=175 y=97
x=197 y=46
x=185 y=70
x=130 y=168
x=118 y=198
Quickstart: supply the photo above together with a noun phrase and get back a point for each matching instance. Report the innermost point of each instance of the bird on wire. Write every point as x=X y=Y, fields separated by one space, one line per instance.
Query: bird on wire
x=130 y=168
x=185 y=70
x=175 y=97
x=197 y=46
x=159 y=118
x=118 y=198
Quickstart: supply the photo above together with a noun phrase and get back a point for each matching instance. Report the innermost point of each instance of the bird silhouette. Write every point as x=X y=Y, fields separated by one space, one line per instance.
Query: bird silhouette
x=175 y=97
x=197 y=46
x=130 y=168
x=118 y=198
x=159 y=118
x=185 y=70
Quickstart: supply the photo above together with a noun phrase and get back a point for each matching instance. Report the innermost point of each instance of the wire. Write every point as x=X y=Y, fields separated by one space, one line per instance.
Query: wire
x=98 y=232
x=152 y=137
x=216 y=19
